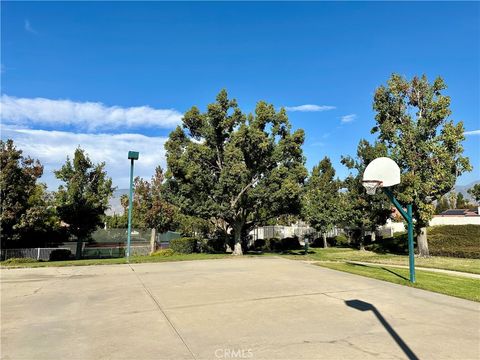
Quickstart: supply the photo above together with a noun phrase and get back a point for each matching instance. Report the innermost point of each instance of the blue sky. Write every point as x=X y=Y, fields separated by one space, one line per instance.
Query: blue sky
x=125 y=72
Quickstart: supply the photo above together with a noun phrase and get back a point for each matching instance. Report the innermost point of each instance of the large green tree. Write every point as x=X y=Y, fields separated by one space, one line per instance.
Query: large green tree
x=474 y=192
x=413 y=121
x=150 y=207
x=18 y=184
x=321 y=206
x=83 y=199
x=462 y=203
x=442 y=205
x=242 y=169
x=40 y=225
x=363 y=212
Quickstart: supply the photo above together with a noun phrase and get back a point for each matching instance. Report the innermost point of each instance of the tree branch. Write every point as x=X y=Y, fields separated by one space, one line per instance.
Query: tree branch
x=234 y=201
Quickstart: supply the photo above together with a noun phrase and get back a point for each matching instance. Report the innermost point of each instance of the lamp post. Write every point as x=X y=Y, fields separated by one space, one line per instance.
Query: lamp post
x=132 y=155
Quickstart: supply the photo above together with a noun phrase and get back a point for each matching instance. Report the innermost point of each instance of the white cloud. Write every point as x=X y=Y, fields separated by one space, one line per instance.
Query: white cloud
x=309 y=108
x=28 y=27
x=472 y=132
x=83 y=116
x=348 y=118
x=53 y=147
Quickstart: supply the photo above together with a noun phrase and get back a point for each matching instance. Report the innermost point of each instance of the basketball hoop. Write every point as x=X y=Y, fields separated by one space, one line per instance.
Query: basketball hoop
x=384 y=172
x=371 y=186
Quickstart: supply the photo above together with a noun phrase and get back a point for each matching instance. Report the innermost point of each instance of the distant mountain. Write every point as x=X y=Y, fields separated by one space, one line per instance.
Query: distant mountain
x=463 y=189
x=116 y=206
x=114 y=203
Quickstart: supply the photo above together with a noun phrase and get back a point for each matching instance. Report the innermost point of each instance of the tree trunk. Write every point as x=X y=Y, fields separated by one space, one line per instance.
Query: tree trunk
x=362 y=239
x=422 y=242
x=78 y=253
x=153 y=242
x=324 y=236
x=237 y=235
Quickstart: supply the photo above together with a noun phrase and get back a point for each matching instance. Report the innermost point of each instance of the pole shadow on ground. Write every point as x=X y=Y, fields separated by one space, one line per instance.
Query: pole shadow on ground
x=364 y=306
x=378 y=267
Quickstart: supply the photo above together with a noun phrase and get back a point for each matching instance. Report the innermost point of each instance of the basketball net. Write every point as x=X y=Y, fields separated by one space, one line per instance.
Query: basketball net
x=371 y=186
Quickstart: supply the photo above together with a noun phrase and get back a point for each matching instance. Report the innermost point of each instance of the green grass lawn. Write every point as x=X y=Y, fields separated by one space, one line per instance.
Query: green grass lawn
x=461 y=287
x=337 y=259
x=133 y=260
x=347 y=254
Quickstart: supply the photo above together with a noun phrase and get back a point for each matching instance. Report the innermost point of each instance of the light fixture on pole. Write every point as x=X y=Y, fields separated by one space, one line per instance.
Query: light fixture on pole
x=132 y=156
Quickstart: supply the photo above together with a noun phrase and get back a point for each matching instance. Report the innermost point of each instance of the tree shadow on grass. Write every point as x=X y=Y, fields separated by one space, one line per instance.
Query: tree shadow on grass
x=365 y=306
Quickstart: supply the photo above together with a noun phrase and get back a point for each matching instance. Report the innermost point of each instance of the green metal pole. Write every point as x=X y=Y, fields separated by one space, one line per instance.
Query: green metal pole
x=130 y=205
x=411 y=254
x=408 y=216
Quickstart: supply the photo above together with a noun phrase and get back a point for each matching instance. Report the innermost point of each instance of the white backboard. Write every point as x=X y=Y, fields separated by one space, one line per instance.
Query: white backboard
x=383 y=169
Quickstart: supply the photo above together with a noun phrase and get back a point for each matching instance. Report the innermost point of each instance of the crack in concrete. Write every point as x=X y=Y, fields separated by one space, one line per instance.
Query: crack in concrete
x=163 y=313
x=262 y=299
x=48 y=282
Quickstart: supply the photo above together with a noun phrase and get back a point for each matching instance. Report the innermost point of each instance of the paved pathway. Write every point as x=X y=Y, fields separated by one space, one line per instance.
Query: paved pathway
x=249 y=308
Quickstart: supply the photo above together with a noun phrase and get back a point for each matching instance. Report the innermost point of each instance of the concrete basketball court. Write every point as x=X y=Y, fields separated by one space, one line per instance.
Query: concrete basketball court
x=249 y=308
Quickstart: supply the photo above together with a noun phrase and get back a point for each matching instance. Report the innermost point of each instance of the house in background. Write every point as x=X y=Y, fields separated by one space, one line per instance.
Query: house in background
x=457 y=217
x=460 y=212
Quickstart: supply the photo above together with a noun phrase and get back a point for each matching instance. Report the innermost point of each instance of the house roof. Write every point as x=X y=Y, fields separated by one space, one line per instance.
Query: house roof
x=459 y=212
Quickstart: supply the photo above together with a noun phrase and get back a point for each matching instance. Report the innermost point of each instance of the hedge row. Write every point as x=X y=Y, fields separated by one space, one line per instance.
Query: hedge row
x=454 y=240
x=340 y=240
x=277 y=245
x=60 y=255
x=461 y=241
x=184 y=245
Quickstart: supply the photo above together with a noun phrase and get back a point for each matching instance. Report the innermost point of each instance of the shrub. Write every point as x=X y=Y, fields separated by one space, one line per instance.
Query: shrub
x=291 y=243
x=259 y=244
x=318 y=242
x=277 y=245
x=19 y=261
x=454 y=240
x=398 y=244
x=267 y=245
x=214 y=245
x=164 y=253
x=341 y=240
x=273 y=244
x=184 y=245
x=60 y=254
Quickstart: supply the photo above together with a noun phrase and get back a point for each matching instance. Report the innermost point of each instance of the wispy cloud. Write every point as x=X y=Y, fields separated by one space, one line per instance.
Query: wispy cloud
x=52 y=148
x=84 y=116
x=28 y=27
x=472 y=132
x=317 y=144
x=309 y=108
x=348 y=118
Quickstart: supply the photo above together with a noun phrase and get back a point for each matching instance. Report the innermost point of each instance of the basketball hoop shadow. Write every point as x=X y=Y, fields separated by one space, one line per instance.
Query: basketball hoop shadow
x=364 y=306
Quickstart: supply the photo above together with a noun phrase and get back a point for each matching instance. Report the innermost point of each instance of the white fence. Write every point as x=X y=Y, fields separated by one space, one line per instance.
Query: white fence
x=33 y=253
x=391 y=227
x=455 y=220
x=281 y=232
